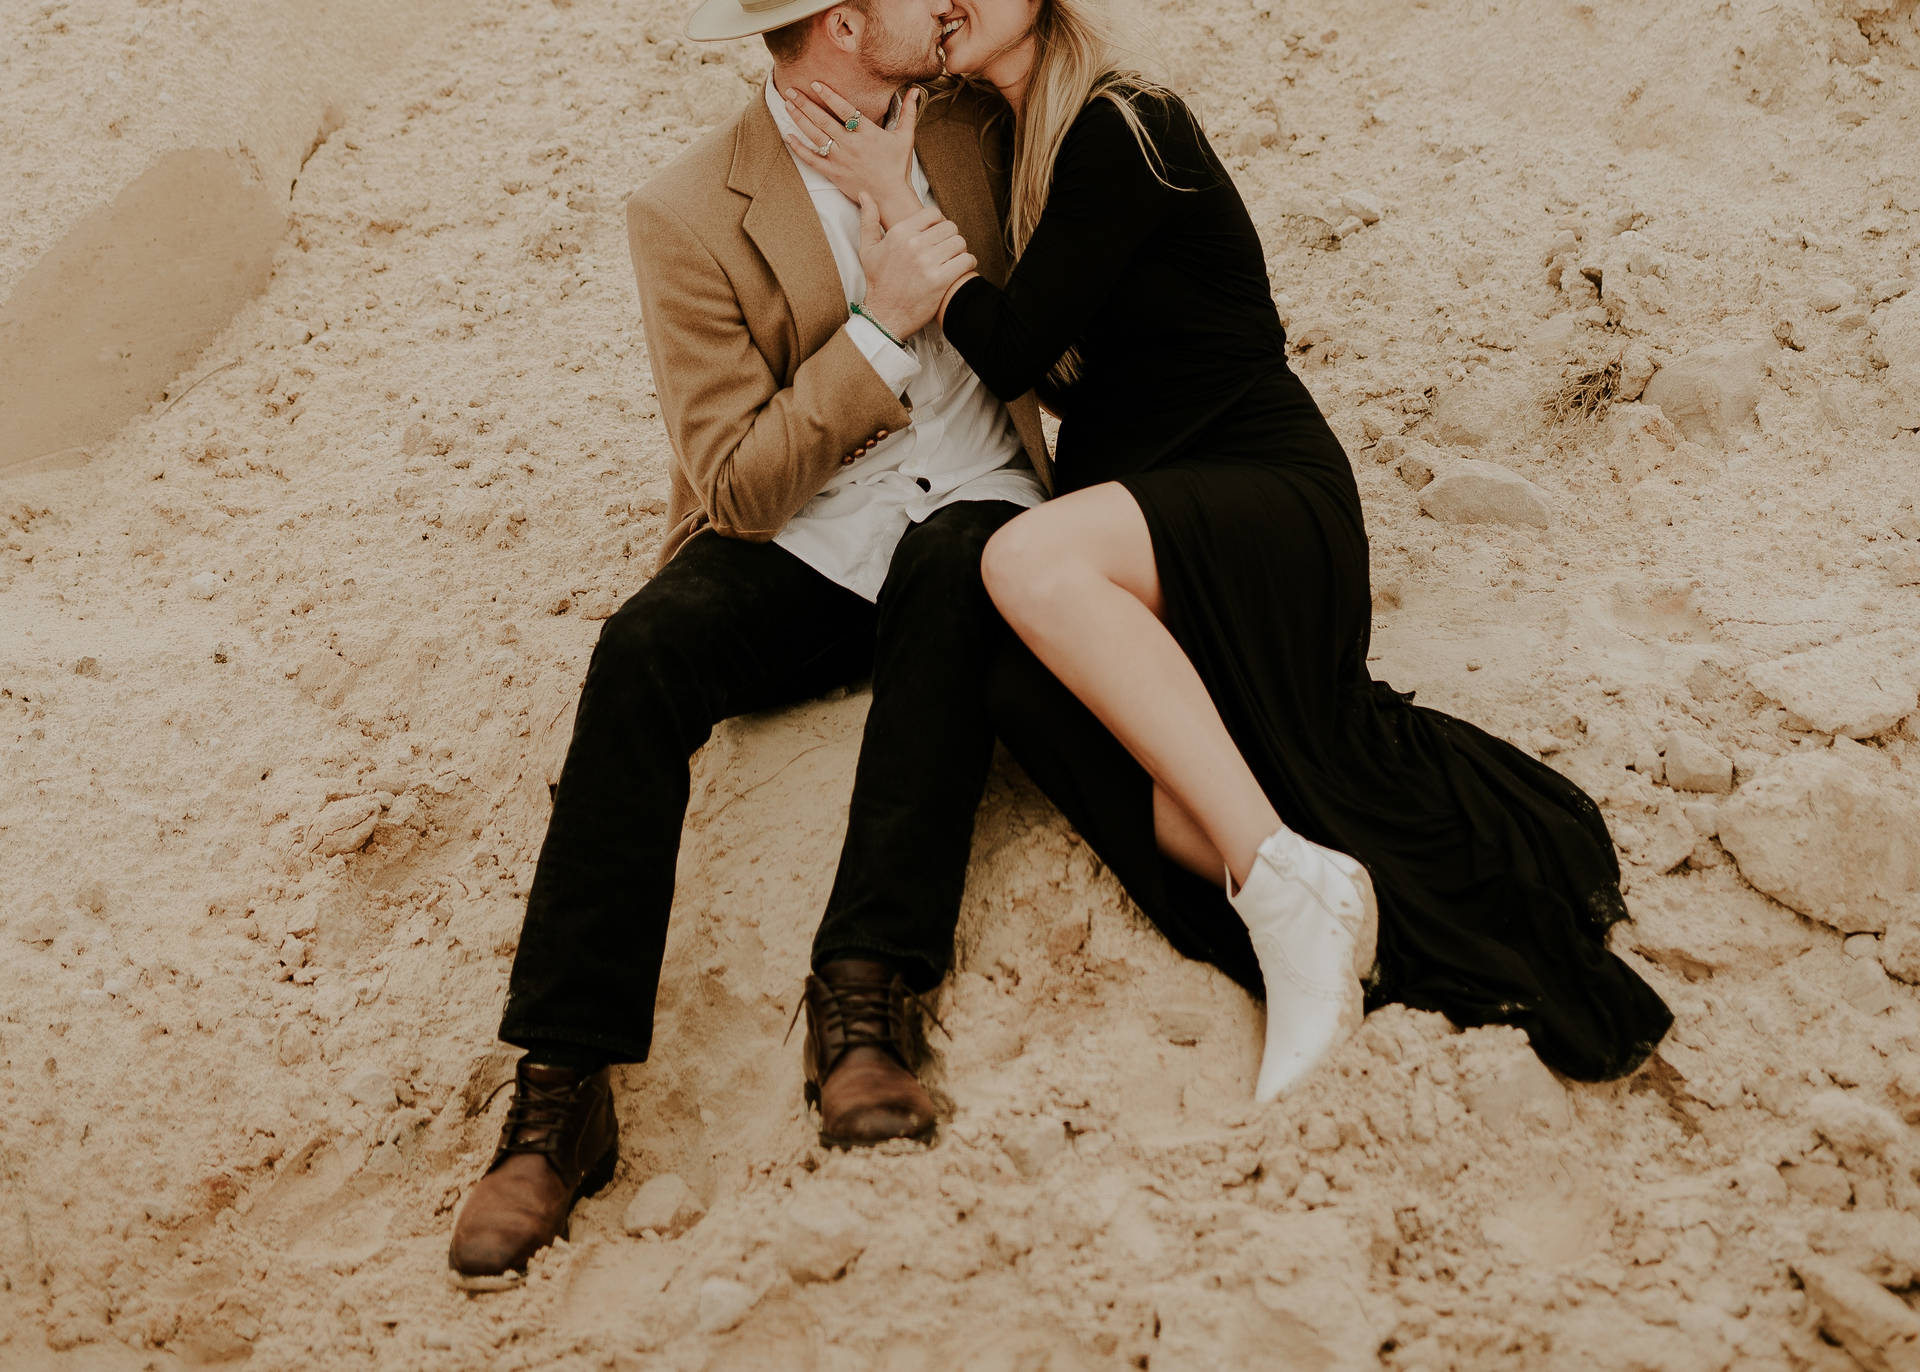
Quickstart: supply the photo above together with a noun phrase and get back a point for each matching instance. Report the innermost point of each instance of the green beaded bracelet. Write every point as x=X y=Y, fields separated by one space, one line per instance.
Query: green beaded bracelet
x=853 y=307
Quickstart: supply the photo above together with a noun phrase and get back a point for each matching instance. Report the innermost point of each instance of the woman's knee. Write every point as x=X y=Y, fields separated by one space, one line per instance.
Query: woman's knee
x=1028 y=573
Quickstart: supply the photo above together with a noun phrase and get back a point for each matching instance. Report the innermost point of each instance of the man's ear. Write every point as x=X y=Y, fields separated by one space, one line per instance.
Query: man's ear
x=842 y=25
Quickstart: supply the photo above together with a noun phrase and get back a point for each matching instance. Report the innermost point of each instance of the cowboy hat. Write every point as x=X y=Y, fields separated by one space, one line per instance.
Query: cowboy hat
x=718 y=19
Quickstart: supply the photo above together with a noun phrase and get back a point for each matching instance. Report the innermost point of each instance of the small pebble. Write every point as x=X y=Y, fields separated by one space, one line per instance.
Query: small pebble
x=721 y=1304
x=205 y=585
x=1828 y=296
x=1362 y=206
x=372 y=1087
x=1862 y=946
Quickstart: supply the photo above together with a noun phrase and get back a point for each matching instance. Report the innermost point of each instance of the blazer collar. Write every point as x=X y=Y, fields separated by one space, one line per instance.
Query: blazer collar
x=785 y=227
x=955 y=163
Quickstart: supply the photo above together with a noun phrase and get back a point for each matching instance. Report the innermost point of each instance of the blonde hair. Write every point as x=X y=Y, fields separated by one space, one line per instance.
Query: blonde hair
x=1076 y=61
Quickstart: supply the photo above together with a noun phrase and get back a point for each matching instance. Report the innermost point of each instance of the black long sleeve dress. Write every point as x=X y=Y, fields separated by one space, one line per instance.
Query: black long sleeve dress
x=1496 y=878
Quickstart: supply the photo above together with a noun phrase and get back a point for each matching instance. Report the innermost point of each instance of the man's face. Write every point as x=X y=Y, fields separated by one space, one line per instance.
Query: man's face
x=901 y=40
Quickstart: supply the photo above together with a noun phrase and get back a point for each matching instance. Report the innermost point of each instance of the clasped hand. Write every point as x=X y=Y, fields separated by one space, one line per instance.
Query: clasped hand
x=910 y=267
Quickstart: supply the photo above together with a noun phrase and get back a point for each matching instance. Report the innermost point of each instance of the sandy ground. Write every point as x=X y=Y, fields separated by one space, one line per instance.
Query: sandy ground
x=290 y=636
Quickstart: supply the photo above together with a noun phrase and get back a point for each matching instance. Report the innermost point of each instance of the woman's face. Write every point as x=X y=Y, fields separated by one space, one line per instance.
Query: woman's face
x=980 y=32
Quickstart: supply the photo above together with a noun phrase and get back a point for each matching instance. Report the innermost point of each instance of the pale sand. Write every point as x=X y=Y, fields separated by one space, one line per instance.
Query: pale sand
x=246 y=1081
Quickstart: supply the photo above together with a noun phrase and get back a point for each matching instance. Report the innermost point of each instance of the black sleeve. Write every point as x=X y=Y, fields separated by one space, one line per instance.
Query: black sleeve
x=1105 y=202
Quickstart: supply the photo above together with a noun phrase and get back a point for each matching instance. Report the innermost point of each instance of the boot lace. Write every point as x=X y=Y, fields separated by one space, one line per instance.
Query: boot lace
x=867 y=1015
x=536 y=1117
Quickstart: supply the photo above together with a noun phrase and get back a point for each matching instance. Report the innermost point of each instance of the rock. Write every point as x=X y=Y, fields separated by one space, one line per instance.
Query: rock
x=1900 y=950
x=1863 y=1317
x=1475 y=413
x=1824 y=835
x=1857 y=1128
x=1693 y=765
x=1518 y=1089
x=1897 y=334
x=292 y=952
x=1034 y=1142
x=403 y=812
x=722 y=1304
x=1314 y=1189
x=1703 y=815
x=1713 y=392
x=1665 y=839
x=1475 y=492
x=1859 y=687
x=1865 y=987
x=1828 y=296
x=1636 y=370
x=1362 y=206
x=1414 y=470
x=87 y=666
x=819 y=1239
x=371 y=1086
x=1823 y=1183
x=1861 y=946
x=1348 y=227
x=1260 y=131
x=205 y=585
x=343 y=826
x=1321 y=1134
x=664 y=1205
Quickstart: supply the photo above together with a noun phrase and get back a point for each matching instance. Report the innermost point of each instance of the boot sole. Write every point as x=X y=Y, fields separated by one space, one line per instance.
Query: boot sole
x=592 y=1184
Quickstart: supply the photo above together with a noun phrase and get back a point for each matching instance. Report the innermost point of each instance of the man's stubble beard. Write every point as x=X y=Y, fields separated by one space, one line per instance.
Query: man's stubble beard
x=889 y=58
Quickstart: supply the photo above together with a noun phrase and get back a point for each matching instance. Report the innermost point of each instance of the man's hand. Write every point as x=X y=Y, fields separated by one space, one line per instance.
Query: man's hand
x=909 y=267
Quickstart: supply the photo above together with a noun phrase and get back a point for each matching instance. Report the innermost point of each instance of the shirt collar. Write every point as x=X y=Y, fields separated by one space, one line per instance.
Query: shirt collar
x=778 y=106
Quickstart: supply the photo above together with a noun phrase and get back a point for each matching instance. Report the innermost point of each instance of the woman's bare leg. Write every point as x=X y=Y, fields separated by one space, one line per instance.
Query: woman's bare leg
x=1076 y=580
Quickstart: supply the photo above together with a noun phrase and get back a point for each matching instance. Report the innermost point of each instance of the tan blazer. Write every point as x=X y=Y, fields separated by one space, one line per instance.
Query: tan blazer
x=764 y=394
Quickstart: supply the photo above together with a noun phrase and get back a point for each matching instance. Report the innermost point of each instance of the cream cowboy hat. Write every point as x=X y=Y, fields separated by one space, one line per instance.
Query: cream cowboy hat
x=718 y=19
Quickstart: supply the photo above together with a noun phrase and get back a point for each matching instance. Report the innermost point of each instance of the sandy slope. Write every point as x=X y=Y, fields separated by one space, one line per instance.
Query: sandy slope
x=286 y=665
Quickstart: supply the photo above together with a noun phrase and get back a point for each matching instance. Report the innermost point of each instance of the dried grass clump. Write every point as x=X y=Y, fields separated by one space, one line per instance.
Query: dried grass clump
x=1587 y=393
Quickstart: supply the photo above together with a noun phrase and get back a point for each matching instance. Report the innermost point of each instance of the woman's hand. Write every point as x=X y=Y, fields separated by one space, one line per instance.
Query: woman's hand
x=910 y=267
x=864 y=160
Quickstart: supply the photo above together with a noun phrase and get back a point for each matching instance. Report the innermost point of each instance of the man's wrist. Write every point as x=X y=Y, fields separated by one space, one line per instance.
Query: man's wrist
x=903 y=203
x=855 y=307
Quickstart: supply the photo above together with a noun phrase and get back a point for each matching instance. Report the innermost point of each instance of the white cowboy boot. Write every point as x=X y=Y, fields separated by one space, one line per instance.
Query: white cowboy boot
x=1313 y=920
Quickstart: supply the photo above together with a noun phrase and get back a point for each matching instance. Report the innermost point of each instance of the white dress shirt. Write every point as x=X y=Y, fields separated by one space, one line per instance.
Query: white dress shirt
x=961 y=444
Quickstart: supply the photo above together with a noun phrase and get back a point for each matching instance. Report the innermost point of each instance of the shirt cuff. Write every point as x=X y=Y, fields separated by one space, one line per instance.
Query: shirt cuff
x=895 y=364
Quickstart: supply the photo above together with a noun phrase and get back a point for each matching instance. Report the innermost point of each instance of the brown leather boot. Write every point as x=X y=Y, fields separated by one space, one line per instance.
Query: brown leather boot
x=560 y=1143
x=862 y=1046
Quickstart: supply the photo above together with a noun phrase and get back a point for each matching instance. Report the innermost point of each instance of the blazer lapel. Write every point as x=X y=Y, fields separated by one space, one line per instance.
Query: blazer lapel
x=955 y=164
x=785 y=227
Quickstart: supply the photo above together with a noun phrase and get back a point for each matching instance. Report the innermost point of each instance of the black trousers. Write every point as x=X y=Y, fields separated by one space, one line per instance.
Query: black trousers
x=729 y=627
